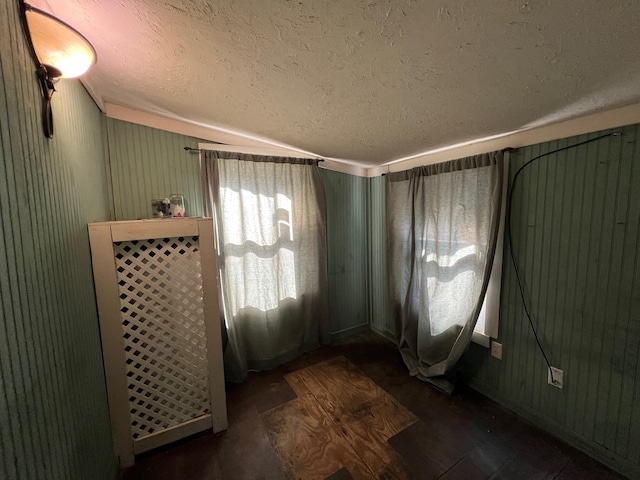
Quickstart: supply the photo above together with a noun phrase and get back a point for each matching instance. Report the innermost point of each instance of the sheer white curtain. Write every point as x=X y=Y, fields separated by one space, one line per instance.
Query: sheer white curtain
x=442 y=230
x=270 y=218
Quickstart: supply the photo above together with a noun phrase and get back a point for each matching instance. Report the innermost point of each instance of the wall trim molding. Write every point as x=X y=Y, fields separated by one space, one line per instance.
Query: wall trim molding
x=618 y=117
x=327 y=164
x=614 y=118
x=383 y=332
x=222 y=136
x=347 y=332
x=607 y=457
x=182 y=127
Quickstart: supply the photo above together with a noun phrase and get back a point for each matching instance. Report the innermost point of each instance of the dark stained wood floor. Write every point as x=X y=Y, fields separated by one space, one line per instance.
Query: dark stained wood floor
x=352 y=411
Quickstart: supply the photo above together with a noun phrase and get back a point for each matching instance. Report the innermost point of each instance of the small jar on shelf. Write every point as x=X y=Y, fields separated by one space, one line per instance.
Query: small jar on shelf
x=177 y=208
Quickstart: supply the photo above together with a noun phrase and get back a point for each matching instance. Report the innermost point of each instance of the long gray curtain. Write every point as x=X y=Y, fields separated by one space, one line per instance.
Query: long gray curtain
x=442 y=228
x=270 y=217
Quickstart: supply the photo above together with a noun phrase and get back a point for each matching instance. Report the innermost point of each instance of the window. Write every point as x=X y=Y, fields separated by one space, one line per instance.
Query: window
x=271 y=232
x=487 y=325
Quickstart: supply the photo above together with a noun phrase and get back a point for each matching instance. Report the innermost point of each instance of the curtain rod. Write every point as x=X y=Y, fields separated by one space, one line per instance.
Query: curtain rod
x=197 y=150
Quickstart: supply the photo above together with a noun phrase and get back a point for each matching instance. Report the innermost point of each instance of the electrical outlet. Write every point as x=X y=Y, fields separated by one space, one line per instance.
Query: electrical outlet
x=558 y=377
x=496 y=350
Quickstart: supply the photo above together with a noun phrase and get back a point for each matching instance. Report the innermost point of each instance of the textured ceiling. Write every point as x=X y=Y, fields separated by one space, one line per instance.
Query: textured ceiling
x=369 y=81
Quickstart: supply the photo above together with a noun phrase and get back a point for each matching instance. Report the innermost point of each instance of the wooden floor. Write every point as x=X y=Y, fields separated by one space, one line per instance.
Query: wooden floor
x=352 y=411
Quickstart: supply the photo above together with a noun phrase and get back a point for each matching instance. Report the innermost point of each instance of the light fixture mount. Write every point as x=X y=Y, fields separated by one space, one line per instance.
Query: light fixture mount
x=58 y=51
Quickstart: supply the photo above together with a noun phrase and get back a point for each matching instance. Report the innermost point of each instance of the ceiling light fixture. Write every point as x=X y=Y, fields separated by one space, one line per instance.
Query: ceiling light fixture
x=58 y=50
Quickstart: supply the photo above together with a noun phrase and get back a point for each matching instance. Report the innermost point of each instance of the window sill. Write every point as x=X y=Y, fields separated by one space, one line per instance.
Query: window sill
x=481 y=339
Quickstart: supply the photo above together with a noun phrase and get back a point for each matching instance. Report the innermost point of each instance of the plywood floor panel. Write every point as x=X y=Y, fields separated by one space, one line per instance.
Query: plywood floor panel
x=341 y=419
x=369 y=426
x=309 y=444
x=338 y=385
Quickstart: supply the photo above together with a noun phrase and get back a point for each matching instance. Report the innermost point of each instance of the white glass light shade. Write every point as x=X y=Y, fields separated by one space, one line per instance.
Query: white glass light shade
x=59 y=45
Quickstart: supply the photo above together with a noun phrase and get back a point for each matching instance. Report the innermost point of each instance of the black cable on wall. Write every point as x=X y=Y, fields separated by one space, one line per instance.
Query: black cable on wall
x=526 y=306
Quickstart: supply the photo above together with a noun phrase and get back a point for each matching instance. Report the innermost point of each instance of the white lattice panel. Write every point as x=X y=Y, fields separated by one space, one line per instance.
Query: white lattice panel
x=162 y=314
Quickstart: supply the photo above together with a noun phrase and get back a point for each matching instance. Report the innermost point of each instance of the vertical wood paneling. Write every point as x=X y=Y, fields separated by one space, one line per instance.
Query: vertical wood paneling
x=53 y=412
x=576 y=218
x=381 y=320
x=347 y=247
x=148 y=163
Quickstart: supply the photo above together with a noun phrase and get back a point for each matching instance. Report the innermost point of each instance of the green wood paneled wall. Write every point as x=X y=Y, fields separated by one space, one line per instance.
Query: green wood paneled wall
x=347 y=247
x=148 y=163
x=54 y=422
x=576 y=238
x=381 y=319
